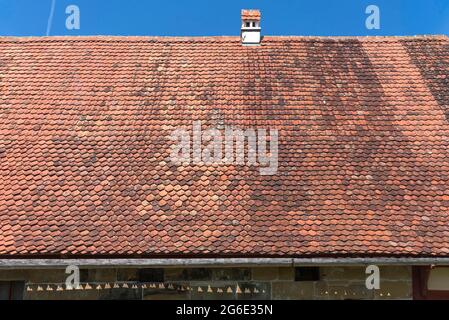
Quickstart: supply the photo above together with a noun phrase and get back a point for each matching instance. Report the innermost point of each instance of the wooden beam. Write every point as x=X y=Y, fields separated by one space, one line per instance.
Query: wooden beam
x=142 y=263
x=217 y=262
x=382 y=261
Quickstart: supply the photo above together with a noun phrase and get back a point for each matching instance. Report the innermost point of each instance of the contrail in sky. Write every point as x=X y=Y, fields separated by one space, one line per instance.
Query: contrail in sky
x=50 y=17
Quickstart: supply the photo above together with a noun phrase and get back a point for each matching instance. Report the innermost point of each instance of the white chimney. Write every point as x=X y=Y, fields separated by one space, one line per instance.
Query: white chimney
x=250 y=33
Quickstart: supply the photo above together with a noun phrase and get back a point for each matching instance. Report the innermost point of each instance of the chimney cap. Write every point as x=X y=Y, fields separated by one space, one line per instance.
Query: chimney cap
x=251 y=14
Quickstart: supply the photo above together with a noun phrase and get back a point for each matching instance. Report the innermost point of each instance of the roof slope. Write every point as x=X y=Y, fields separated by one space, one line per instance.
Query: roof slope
x=363 y=153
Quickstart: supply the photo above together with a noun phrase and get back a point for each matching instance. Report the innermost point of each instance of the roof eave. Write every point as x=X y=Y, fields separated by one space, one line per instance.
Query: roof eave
x=214 y=262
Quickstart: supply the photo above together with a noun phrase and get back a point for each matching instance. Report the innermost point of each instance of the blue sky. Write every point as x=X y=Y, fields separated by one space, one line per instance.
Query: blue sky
x=222 y=17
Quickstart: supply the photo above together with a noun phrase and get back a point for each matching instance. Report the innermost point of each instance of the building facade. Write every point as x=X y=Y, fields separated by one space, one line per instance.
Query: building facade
x=336 y=282
x=337 y=159
x=242 y=283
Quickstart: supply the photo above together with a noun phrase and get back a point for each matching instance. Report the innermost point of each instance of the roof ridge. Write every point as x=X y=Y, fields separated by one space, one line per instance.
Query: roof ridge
x=216 y=38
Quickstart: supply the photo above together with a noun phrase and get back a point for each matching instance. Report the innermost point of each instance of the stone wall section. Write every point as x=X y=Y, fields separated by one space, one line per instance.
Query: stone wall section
x=270 y=283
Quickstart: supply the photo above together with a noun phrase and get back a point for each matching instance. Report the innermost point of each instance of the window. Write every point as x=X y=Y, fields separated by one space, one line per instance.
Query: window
x=247 y=24
x=11 y=290
x=430 y=283
x=151 y=275
x=84 y=274
x=307 y=274
x=254 y=24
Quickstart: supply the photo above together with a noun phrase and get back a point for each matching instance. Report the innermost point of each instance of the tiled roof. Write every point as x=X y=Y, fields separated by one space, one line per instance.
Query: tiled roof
x=363 y=152
x=250 y=14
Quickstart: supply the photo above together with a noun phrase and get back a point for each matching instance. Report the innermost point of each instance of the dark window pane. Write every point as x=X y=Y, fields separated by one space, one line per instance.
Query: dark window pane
x=4 y=290
x=84 y=275
x=17 y=288
x=197 y=274
x=307 y=274
x=151 y=275
x=11 y=290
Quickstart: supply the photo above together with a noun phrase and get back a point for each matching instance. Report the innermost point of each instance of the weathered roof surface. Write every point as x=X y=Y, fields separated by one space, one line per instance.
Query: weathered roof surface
x=363 y=152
